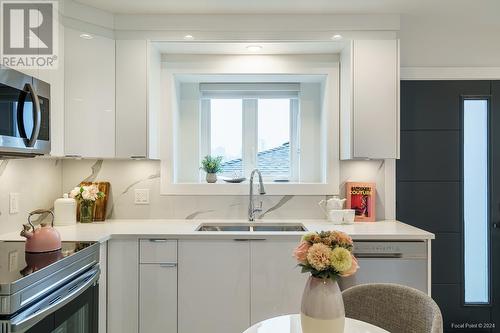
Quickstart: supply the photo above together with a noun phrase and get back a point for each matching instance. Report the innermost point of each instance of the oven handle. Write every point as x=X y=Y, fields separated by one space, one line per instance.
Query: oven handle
x=74 y=289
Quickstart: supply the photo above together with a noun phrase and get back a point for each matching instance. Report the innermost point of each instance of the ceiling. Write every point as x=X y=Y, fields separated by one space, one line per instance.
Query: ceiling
x=296 y=6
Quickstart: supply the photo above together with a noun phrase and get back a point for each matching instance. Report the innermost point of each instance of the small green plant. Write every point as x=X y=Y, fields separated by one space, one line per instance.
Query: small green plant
x=212 y=164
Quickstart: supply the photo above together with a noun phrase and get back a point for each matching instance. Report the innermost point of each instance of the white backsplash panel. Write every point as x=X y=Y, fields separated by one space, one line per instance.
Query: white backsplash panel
x=38 y=182
x=126 y=176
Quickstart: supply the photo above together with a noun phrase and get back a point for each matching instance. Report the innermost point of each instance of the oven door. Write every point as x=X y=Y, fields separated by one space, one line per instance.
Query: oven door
x=72 y=309
x=24 y=115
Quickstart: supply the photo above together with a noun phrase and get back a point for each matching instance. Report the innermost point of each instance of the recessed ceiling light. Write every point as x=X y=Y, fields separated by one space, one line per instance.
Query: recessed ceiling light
x=86 y=36
x=254 y=48
x=188 y=37
x=336 y=37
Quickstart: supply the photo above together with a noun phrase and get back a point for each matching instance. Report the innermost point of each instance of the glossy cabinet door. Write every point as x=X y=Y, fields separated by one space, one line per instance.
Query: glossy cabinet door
x=369 y=99
x=89 y=68
x=214 y=280
x=123 y=286
x=276 y=281
x=131 y=98
x=158 y=298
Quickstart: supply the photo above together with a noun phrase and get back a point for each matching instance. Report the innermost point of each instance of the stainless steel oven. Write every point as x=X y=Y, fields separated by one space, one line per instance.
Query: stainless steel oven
x=72 y=309
x=50 y=292
x=24 y=115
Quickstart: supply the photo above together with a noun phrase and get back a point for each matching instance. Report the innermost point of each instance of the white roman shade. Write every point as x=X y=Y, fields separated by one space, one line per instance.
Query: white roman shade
x=249 y=90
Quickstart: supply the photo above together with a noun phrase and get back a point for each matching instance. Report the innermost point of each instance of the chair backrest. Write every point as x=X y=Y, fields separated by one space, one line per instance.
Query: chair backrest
x=393 y=307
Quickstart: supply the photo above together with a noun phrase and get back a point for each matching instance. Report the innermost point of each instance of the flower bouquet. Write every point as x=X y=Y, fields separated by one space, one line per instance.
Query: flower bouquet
x=327 y=255
x=86 y=197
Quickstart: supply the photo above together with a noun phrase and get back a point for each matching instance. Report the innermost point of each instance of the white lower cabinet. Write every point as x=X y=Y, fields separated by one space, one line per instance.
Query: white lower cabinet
x=123 y=286
x=158 y=285
x=158 y=298
x=214 y=286
x=225 y=286
x=200 y=285
x=276 y=281
x=103 y=285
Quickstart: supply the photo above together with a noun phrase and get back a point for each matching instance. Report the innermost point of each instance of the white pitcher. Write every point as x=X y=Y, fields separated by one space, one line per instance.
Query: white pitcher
x=334 y=203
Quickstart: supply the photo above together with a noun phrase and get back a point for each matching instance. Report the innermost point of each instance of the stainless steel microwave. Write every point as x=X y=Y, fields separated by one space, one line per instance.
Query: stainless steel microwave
x=24 y=115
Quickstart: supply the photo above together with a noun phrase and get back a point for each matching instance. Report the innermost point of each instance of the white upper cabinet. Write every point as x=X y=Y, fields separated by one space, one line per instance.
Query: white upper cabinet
x=131 y=98
x=89 y=98
x=137 y=99
x=369 y=99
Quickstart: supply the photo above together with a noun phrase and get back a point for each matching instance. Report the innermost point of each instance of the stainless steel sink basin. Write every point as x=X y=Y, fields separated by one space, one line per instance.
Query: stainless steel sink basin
x=223 y=227
x=280 y=228
x=251 y=227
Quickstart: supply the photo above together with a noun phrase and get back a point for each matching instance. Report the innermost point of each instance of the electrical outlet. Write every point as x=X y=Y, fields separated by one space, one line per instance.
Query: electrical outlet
x=14 y=203
x=13 y=261
x=141 y=197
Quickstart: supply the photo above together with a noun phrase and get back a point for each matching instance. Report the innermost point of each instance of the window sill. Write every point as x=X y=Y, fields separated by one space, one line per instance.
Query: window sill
x=243 y=189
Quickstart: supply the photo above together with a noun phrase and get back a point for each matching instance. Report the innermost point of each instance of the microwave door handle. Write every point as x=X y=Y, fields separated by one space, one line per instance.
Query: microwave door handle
x=20 y=114
x=25 y=322
x=37 y=115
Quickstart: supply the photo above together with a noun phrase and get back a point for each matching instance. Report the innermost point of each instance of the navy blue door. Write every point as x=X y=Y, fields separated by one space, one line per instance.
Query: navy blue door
x=430 y=190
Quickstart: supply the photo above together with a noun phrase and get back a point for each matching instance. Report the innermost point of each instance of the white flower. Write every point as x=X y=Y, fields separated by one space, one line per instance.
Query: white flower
x=86 y=195
x=74 y=192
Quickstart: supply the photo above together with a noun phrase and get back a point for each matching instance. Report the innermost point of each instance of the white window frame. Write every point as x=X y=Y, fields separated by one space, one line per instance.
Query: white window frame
x=211 y=68
x=250 y=131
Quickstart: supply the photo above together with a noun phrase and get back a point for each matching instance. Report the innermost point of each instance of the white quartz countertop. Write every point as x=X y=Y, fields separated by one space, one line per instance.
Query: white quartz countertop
x=170 y=228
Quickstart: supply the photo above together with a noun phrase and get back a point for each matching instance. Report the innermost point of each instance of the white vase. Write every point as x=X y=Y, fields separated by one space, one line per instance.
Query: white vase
x=322 y=309
x=211 y=178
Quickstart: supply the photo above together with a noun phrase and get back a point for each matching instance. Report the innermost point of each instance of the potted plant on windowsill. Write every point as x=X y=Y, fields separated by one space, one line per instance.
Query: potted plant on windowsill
x=212 y=166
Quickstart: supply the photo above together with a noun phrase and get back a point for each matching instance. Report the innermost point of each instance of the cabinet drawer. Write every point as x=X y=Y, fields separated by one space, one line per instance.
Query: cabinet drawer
x=155 y=251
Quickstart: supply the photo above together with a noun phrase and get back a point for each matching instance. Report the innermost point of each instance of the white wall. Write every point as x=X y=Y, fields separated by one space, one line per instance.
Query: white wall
x=188 y=133
x=450 y=41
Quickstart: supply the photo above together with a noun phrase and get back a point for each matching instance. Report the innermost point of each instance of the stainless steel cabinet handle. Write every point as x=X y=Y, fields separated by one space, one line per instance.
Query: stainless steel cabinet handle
x=168 y=265
x=378 y=255
x=158 y=240
x=248 y=239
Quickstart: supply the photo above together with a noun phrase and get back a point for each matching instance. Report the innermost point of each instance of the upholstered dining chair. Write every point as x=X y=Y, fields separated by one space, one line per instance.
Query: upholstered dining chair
x=393 y=307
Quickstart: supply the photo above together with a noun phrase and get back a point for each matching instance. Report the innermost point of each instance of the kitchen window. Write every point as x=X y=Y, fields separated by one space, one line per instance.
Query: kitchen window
x=283 y=121
x=252 y=129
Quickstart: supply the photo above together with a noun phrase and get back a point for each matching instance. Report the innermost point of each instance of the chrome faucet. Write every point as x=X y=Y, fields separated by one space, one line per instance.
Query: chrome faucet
x=251 y=206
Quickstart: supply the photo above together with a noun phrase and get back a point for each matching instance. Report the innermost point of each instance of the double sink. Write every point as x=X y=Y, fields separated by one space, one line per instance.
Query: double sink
x=251 y=227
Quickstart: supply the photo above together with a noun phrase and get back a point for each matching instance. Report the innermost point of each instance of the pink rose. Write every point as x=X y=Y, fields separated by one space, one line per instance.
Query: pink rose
x=300 y=253
x=352 y=270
